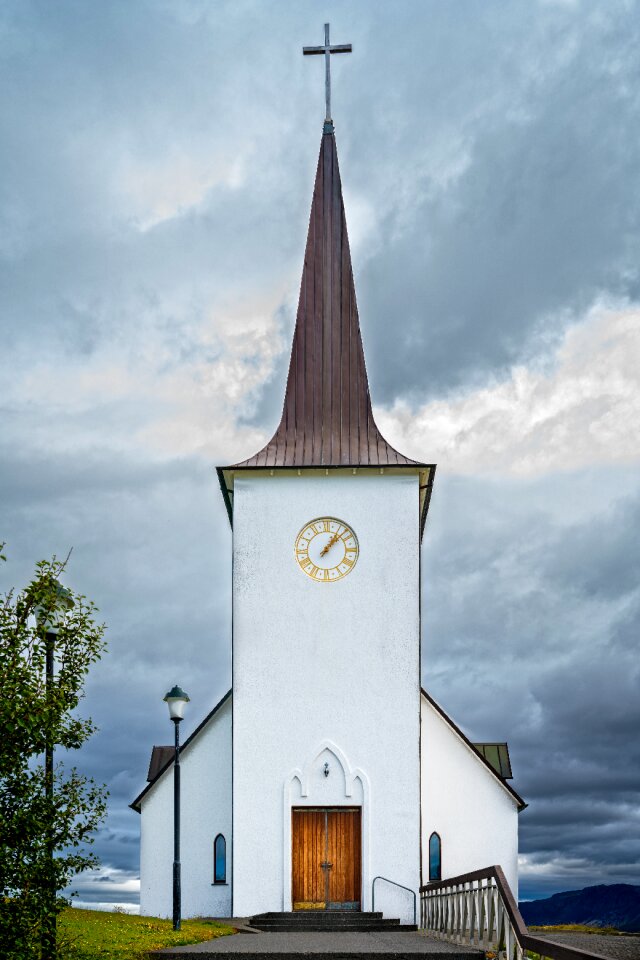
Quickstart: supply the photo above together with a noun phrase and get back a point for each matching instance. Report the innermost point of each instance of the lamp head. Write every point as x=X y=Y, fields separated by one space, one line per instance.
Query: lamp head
x=176 y=699
x=51 y=614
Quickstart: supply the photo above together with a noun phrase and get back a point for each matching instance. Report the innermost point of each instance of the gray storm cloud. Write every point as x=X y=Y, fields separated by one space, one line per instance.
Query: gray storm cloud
x=157 y=164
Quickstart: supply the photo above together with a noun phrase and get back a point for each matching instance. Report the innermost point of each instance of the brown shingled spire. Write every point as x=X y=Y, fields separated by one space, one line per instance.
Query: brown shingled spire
x=327 y=418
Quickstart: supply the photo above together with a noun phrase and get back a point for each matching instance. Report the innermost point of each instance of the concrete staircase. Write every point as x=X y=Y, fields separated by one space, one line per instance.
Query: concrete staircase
x=322 y=935
x=327 y=921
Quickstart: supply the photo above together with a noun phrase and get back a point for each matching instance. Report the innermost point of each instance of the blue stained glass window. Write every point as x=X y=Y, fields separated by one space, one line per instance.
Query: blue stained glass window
x=219 y=859
x=435 y=857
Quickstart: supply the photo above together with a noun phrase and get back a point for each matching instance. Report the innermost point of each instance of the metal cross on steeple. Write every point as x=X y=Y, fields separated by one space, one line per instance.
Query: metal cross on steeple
x=327 y=49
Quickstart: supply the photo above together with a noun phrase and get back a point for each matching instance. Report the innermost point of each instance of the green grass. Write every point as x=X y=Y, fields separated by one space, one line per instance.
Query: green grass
x=96 y=935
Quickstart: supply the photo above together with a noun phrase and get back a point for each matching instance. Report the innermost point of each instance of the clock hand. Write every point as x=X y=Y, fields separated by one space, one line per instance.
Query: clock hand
x=327 y=547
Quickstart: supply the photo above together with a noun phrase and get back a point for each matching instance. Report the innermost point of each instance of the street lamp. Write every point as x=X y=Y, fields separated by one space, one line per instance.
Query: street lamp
x=49 y=619
x=176 y=699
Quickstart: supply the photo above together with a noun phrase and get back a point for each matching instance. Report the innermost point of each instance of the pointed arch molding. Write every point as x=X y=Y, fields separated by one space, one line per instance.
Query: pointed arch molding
x=301 y=788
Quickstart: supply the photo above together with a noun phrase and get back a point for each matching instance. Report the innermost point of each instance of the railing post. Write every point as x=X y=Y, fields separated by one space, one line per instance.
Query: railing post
x=486 y=906
x=499 y=924
x=467 y=912
x=507 y=937
x=455 y=912
x=476 y=919
x=445 y=912
x=491 y=917
x=452 y=901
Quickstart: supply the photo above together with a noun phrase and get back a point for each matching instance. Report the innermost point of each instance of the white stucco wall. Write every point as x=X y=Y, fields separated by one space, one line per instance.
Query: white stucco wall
x=324 y=672
x=205 y=811
x=476 y=817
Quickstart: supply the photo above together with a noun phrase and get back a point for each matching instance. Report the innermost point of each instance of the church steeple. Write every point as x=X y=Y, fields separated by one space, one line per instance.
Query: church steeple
x=327 y=420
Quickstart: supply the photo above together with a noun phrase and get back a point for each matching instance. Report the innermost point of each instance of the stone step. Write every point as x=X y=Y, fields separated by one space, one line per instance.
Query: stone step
x=301 y=917
x=322 y=914
x=314 y=921
x=327 y=921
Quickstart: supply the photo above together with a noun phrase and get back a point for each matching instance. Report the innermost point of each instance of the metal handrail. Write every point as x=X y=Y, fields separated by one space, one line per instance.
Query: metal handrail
x=402 y=887
x=456 y=910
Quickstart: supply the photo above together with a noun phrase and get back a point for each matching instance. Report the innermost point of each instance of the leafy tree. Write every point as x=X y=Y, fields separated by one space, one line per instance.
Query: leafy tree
x=48 y=814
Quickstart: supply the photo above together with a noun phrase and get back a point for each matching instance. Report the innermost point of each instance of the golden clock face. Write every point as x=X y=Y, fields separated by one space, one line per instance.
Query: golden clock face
x=326 y=549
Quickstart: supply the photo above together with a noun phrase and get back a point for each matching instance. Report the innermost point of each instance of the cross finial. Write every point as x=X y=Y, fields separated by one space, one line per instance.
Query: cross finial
x=327 y=49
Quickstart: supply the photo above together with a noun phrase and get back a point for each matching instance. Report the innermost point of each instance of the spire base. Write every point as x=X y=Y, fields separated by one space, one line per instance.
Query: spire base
x=328 y=127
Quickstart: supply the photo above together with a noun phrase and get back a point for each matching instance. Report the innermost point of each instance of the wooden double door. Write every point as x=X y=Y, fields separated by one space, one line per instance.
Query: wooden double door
x=326 y=858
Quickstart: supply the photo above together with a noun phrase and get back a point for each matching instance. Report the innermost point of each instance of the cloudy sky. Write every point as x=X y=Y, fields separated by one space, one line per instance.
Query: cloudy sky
x=156 y=165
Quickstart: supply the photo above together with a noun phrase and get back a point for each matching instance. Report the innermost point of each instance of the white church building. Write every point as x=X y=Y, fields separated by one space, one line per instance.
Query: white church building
x=326 y=764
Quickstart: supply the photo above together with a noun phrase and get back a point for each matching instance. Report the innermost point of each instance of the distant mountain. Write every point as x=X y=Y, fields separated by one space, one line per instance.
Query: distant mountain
x=614 y=905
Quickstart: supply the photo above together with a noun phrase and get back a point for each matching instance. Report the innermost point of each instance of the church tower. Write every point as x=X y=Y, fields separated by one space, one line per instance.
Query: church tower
x=325 y=766
x=327 y=522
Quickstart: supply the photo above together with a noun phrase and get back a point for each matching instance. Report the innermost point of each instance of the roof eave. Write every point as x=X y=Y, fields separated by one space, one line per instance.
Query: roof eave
x=522 y=805
x=225 y=492
x=135 y=804
x=427 y=498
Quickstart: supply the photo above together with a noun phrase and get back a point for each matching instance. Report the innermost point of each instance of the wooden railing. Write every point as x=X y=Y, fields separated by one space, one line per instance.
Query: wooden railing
x=478 y=909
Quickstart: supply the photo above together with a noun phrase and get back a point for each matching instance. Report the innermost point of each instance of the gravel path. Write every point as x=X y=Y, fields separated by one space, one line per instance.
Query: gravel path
x=618 y=948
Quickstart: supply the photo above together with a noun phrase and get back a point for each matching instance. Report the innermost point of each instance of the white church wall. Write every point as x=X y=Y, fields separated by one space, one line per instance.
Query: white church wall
x=205 y=811
x=317 y=664
x=475 y=816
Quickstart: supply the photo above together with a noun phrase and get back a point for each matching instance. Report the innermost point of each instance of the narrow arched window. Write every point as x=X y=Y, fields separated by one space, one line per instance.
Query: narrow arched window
x=219 y=859
x=435 y=857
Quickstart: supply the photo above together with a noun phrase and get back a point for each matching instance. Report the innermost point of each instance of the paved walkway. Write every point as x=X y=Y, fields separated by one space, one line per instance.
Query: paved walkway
x=618 y=948
x=337 y=946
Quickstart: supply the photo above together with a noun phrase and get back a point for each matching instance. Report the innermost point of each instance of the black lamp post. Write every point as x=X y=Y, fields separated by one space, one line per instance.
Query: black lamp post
x=176 y=700
x=49 y=619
